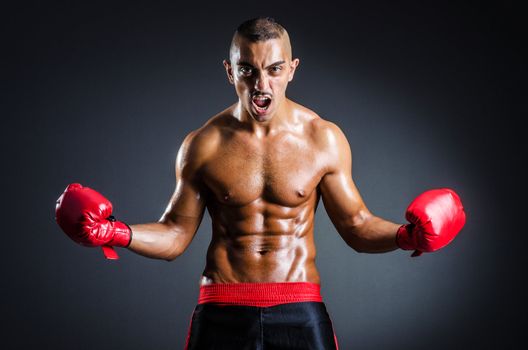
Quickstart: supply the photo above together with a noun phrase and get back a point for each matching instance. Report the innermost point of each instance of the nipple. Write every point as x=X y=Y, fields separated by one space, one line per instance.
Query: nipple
x=301 y=193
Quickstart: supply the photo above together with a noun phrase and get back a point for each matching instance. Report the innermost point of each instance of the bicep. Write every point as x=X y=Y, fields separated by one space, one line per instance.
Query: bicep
x=186 y=206
x=341 y=198
x=186 y=203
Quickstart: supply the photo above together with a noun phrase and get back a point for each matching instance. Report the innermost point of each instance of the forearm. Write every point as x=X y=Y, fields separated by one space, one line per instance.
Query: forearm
x=372 y=235
x=154 y=240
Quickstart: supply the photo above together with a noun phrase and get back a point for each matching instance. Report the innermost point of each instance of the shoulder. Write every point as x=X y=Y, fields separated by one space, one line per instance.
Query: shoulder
x=333 y=145
x=328 y=139
x=201 y=144
x=324 y=133
x=328 y=134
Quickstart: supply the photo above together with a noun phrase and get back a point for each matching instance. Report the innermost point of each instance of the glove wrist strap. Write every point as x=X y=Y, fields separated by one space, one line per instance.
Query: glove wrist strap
x=122 y=234
x=404 y=239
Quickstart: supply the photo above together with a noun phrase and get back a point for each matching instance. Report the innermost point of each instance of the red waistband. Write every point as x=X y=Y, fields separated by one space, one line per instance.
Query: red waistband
x=260 y=294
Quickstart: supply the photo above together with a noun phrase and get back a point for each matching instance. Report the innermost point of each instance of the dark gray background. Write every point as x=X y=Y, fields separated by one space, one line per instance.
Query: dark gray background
x=103 y=94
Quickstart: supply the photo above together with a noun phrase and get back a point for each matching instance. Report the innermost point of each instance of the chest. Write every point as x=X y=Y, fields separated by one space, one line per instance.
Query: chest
x=285 y=172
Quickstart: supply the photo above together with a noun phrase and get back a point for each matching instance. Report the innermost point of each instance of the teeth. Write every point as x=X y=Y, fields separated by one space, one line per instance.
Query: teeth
x=259 y=99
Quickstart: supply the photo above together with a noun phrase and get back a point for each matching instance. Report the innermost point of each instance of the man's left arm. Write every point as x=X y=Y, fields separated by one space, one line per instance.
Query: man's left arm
x=359 y=228
x=435 y=216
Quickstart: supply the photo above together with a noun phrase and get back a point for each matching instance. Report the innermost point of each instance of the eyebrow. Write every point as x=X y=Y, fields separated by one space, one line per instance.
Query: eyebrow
x=244 y=63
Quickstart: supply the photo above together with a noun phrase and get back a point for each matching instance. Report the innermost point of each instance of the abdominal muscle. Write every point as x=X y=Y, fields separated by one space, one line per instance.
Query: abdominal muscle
x=242 y=257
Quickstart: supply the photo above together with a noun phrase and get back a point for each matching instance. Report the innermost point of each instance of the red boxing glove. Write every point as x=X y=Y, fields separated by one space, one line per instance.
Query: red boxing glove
x=435 y=217
x=86 y=217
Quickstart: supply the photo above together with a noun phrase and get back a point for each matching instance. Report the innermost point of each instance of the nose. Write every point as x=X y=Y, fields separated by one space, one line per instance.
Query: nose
x=261 y=82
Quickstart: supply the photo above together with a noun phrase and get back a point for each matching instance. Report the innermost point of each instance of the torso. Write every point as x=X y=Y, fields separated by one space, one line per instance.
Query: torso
x=262 y=195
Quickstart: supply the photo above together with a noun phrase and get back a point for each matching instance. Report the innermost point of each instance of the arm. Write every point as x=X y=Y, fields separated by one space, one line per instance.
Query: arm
x=436 y=216
x=359 y=228
x=171 y=235
x=86 y=217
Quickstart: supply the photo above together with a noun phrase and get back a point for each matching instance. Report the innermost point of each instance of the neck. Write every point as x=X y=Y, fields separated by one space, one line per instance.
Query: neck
x=276 y=122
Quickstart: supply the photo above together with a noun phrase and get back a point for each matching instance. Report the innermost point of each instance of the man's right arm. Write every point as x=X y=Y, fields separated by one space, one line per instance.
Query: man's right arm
x=171 y=235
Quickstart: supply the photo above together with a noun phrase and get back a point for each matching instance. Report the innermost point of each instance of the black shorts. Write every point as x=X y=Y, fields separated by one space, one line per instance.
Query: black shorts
x=303 y=325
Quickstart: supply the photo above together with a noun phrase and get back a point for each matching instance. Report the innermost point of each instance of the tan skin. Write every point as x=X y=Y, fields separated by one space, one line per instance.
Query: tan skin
x=260 y=178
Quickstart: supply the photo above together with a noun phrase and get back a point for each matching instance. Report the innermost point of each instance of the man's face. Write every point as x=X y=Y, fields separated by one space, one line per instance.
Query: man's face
x=260 y=72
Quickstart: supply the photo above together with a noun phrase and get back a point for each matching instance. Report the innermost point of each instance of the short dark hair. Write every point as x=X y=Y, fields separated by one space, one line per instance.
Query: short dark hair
x=260 y=29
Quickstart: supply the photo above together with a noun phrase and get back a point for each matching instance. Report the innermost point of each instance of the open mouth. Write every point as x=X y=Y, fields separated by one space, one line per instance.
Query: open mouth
x=261 y=102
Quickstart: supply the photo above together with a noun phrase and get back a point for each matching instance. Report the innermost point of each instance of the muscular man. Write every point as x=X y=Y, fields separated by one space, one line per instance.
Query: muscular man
x=260 y=168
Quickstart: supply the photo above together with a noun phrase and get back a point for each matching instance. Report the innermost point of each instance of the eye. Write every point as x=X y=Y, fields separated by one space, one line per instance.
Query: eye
x=245 y=70
x=276 y=69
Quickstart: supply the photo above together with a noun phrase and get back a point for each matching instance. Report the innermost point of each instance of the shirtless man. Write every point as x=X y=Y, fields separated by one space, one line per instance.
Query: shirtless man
x=260 y=168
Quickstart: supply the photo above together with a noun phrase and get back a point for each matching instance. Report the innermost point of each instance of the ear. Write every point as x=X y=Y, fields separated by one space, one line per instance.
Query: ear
x=293 y=65
x=229 y=71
